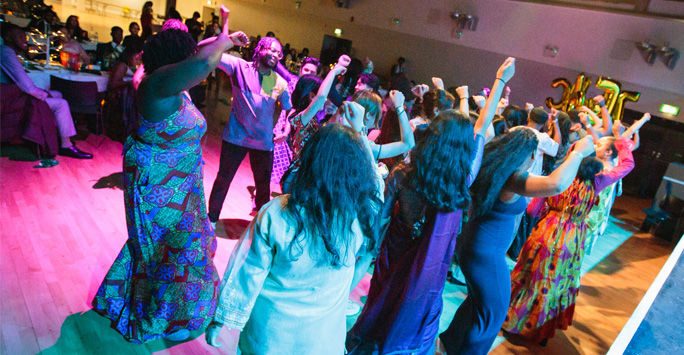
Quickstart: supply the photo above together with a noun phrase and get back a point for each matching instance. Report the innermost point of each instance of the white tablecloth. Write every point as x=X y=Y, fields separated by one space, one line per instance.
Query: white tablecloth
x=42 y=78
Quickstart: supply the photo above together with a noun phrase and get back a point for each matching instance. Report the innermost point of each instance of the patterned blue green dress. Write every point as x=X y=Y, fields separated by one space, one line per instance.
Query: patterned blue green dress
x=164 y=278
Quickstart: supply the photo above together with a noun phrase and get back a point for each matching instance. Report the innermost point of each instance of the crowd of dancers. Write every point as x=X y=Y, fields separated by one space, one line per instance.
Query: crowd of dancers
x=464 y=175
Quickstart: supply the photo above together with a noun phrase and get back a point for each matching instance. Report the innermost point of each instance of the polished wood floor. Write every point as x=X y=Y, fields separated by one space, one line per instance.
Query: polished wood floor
x=63 y=226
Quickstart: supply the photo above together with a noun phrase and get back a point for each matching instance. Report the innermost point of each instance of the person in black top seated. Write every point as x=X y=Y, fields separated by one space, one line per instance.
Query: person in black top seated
x=109 y=52
x=133 y=40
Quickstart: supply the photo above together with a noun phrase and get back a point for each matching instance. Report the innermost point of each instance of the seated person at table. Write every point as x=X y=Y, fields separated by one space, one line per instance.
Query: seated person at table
x=72 y=46
x=133 y=39
x=47 y=18
x=13 y=73
x=109 y=52
x=122 y=112
x=75 y=30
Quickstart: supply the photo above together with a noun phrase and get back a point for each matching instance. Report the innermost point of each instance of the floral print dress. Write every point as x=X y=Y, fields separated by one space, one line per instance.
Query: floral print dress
x=164 y=278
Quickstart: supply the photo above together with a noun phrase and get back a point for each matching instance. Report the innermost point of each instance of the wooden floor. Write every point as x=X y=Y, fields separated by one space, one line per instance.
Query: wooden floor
x=63 y=226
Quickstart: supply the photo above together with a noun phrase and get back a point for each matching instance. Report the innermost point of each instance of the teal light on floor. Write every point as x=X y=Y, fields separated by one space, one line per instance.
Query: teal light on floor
x=616 y=234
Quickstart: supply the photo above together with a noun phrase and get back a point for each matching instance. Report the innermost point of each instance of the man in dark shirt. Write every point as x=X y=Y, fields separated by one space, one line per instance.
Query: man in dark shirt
x=194 y=26
x=108 y=53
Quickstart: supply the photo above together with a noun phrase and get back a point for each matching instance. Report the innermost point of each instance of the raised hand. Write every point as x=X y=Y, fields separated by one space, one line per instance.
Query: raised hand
x=506 y=70
x=502 y=104
x=599 y=100
x=224 y=18
x=397 y=98
x=480 y=101
x=554 y=113
x=239 y=38
x=585 y=146
x=420 y=90
x=462 y=91
x=438 y=83
x=353 y=115
x=342 y=64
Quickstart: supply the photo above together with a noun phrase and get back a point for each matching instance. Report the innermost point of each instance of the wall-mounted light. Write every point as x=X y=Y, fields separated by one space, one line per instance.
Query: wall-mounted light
x=647 y=51
x=338 y=32
x=668 y=55
x=396 y=21
x=464 y=21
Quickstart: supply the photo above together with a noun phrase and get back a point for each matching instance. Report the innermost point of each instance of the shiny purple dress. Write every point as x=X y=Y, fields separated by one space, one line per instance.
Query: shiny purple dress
x=401 y=314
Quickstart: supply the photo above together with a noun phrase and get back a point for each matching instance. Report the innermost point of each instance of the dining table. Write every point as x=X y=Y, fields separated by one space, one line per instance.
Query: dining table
x=41 y=76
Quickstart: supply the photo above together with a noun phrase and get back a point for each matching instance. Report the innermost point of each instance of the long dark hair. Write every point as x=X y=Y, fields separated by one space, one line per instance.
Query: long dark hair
x=436 y=98
x=502 y=157
x=390 y=132
x=167 y=47
x=440 y=162
x=300 y=95
x=335 y=185
x=514 y=116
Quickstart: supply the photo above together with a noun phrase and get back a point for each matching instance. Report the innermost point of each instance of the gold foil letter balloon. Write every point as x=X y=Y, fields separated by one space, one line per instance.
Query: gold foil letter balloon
x=575 y=96
x=611 y=91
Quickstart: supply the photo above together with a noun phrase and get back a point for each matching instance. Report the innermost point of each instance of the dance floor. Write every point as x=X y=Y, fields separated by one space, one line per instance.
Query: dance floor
x=63 y=226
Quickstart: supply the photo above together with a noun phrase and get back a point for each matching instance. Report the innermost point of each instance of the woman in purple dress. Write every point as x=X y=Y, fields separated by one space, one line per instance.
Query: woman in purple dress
x=424 y=200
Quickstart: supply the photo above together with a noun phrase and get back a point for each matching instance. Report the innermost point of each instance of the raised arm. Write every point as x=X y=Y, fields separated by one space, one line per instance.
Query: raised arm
x=625 y=165
x=173 y=79
x=605 y=116
x=463 y=106
x=590 y=129
x=318 y=102
x=407 y=140
x=503 y=75
x=636 y=126
x=559 y=180
x=554 y=127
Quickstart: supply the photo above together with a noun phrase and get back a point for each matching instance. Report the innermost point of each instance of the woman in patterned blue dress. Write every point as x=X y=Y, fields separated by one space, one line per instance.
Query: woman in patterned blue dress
x=163 y=282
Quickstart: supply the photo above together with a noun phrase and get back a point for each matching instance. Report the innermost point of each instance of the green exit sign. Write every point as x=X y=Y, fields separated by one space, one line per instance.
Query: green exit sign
x=672 y=110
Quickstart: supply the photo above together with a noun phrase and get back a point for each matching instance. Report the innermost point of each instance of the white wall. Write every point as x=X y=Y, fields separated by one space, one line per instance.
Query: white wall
x=506 y=28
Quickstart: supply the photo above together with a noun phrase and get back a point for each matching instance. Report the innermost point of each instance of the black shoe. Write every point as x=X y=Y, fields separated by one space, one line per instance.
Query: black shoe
x=452 y=280
x=74 y=152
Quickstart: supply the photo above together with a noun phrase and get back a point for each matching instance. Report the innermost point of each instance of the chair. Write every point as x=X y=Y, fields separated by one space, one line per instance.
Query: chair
x=667 y=223
x=82 y=97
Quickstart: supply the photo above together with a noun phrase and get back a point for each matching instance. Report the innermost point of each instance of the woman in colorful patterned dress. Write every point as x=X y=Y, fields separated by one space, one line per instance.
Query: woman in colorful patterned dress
x=545 y=281
x=163 y=282
x=424 y=200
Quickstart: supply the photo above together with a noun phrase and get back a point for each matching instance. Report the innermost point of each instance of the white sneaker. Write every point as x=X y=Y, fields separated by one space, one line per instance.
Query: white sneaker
x=213 y=225
x=352 y=308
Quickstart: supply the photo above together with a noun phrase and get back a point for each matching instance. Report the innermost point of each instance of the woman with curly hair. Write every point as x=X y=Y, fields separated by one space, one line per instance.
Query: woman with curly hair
x=546 y=278
x=163 y=283
x=498 y=196
x=423 y=203
x=288 y=279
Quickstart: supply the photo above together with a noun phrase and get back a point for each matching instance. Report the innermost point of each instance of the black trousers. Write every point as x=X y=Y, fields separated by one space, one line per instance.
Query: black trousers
x=232 y=155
